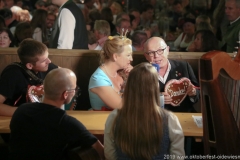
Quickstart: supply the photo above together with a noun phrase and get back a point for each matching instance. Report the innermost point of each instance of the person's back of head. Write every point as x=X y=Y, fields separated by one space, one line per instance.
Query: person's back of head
x=94 y=15
x=139 y=38
x=40 y=4
x=9 y=3
x=204 y=26
x=203 y=18
x=7 y=14
x=29 y=50
x=106 y=14
x=2 y=22
x=146 y=7
x=23 y=31
x=102 y=27
x=143 y=79
x=59 y=86
x=123 y=15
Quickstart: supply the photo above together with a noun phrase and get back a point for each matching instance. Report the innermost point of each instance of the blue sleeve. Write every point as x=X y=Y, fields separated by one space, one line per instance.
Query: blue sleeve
x=99 y=78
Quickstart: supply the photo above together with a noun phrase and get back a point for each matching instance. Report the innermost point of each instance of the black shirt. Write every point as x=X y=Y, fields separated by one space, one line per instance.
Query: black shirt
x=42 y=131
x=14 y=82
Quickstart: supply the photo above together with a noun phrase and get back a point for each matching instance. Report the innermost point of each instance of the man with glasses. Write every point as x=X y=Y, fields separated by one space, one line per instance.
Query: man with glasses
x=44 y=130
x=156 y=51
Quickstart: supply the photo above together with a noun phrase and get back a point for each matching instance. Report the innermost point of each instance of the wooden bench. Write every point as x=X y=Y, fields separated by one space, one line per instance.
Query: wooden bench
x=85 y=62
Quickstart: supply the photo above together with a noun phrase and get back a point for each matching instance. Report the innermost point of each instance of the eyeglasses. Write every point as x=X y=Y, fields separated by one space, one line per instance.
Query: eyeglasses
x=75 y=90
x=158 y=52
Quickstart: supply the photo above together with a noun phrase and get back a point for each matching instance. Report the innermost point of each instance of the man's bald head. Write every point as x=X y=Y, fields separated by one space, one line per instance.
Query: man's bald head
x=156 y=51
x=154 y=41
x=57 y=81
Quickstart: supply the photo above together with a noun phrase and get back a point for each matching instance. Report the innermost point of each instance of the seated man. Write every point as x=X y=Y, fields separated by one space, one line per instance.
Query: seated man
x=156 y=51
x=14 y=79
x=44 y=130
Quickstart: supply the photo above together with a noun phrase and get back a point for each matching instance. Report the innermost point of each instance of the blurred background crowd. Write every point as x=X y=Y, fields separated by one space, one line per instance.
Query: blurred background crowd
x=186 y=25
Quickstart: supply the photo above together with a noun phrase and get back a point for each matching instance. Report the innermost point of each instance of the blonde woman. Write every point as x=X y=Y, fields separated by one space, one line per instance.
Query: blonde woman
x=141 y=129
x=106 y=83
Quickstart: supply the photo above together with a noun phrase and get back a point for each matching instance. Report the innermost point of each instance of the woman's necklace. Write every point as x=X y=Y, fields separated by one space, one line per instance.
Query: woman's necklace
x=114 y=76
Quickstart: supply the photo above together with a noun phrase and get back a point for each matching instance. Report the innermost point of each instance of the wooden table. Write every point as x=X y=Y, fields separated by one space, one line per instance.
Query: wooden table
x=95 y=122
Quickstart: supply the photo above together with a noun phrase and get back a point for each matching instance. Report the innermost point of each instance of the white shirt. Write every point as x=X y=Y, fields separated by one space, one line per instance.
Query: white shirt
x=180 y=42
x=175 y=135
x=37 y=34
x=66 y=23
x=164 y=78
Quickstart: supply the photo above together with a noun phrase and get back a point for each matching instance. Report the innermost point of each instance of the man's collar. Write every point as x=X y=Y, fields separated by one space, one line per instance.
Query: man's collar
x=235 y=20
x=62 y=5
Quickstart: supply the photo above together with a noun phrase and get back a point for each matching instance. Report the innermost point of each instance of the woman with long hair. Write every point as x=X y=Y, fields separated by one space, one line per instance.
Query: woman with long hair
x=141 y=129
x=39 y=25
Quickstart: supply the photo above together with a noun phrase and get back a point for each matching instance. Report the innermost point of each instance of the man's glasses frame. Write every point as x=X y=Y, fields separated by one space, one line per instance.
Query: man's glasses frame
x=158 y=52
x=75 y=90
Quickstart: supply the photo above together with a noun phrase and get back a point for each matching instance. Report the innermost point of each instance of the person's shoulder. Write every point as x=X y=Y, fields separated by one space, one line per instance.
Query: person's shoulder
x=178 y=62
x=112 y=116
x=12 y=69
x=37 y=29
x=98 y=73
x=171 y=115
x=71 y=6
x=110 y=120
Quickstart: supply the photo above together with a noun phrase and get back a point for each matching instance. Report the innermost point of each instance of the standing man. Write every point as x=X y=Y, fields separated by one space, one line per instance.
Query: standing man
x=156 y=51
x=229 y=40
x=14 y=79
x=69 y=30
x=44 y=130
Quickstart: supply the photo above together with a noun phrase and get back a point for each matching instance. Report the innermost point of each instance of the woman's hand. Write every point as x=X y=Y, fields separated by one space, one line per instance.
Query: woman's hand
x=128 y=69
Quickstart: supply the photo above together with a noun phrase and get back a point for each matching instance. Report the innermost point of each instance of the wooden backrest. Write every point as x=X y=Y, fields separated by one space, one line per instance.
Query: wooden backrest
x=220 y=86
x=85 y=62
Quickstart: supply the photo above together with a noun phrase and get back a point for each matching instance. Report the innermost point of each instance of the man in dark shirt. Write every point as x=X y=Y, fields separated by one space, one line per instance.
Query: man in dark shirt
x=44 y=130
x=14 y=80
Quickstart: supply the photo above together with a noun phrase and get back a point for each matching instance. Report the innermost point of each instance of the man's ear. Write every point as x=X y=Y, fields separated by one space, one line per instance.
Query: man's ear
x=29 y=66
x=145 y=55
x=167 y=50
x=65 y=95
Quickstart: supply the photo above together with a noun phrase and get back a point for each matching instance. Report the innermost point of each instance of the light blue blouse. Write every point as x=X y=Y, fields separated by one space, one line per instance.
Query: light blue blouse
x=98 y=79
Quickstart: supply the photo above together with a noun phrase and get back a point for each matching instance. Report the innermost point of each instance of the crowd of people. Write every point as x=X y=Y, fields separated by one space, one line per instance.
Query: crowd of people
x=176 y=21
x=130 y=92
